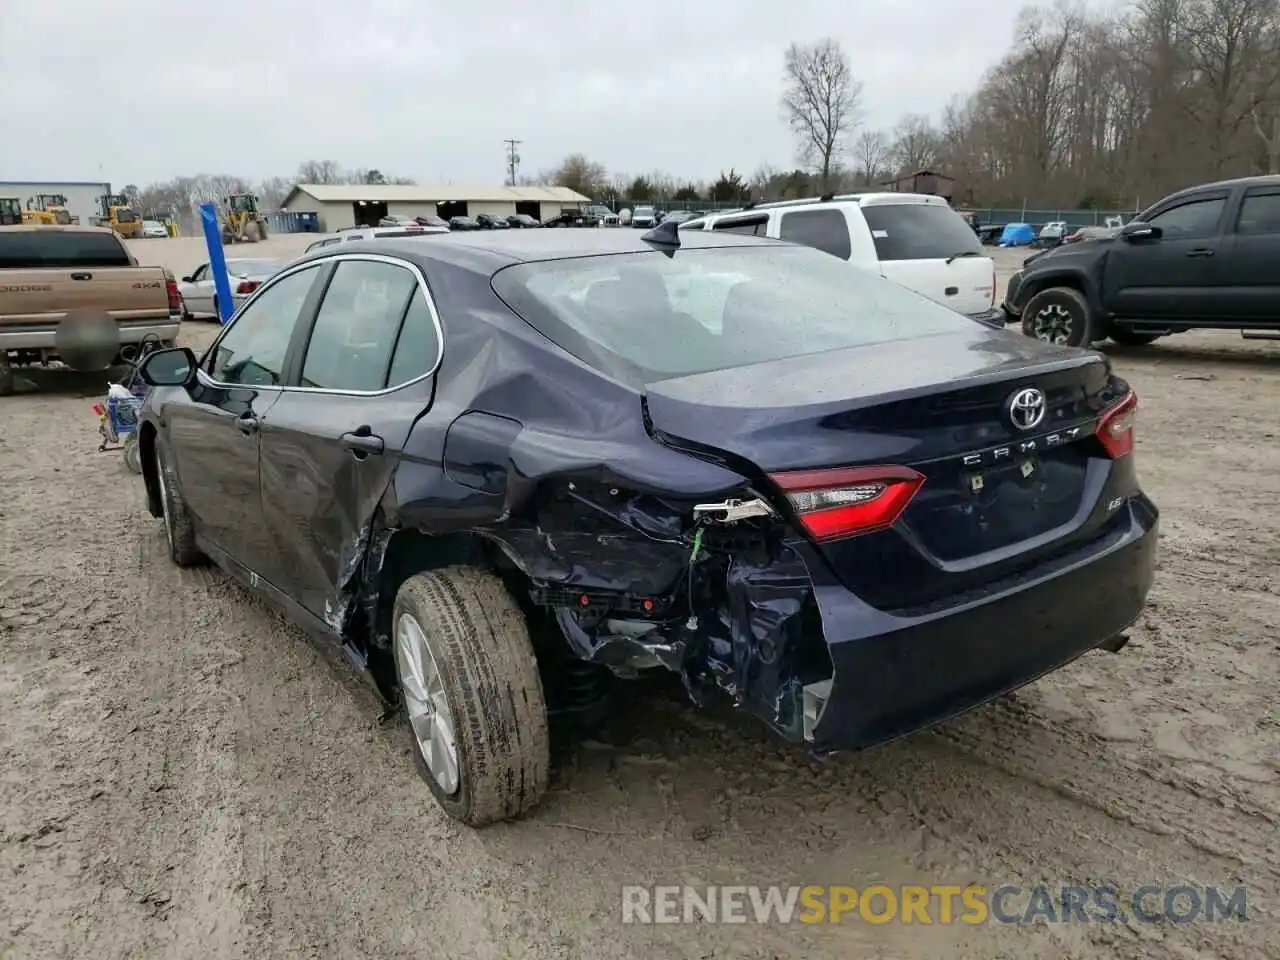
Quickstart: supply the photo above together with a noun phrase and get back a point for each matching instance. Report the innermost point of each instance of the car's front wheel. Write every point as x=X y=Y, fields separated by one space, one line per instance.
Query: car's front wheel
x=178 y=528
x=1059 y=315
x=469 y=679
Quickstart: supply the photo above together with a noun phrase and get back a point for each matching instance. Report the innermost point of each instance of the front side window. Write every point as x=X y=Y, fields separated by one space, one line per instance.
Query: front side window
x=355 y=330
x=252 y=351
x=1199 y=218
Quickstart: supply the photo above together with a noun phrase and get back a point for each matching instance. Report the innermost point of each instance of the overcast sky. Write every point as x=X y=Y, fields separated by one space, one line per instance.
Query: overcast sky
x=138 y=90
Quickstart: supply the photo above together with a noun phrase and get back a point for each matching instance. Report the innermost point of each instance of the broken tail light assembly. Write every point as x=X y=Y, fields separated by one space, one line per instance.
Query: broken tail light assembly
x=1115 y=426
x=247 y=286
x=840 y=502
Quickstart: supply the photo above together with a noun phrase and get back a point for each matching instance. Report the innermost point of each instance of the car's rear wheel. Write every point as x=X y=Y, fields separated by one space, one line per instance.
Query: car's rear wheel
x=1059 y=315
x=469 y=679
x=1131 y=338
x=6 y=377
x=178 y=529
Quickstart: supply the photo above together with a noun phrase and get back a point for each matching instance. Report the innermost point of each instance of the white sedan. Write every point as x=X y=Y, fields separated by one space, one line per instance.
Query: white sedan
x=154 y=229
x=199 y=297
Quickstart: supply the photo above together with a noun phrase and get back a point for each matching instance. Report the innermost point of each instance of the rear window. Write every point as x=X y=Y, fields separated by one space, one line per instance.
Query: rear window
x=919 y=231
x=643 y=317
x=32 y=249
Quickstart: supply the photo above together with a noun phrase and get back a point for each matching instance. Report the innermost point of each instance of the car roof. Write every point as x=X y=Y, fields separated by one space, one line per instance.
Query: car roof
x=491 y=250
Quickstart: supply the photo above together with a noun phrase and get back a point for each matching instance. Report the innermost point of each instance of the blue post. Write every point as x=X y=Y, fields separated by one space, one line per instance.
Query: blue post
x=217 y=261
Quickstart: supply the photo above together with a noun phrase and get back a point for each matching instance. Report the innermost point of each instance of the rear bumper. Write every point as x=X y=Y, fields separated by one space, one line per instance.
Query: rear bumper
x=44 y=336
x=894 y=674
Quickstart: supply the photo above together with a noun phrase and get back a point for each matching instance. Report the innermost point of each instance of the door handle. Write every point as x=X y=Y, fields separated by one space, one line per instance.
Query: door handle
x=362 y=442
x=248 y=424
x=82 y=276
x=1200 y=252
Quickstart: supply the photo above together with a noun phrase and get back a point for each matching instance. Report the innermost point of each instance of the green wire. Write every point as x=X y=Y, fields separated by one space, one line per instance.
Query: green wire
x=697 y=545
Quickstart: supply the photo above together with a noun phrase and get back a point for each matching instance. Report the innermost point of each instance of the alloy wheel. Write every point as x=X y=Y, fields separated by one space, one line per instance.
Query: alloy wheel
x=165 y=509
x=1053 y=324
x=426 y=703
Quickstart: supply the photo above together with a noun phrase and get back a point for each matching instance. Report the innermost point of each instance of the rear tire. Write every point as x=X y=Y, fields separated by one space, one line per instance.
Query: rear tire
x=1130 y=338
x=6 y=378
x=475 y=669
x=1059 y=315
x=178 y=528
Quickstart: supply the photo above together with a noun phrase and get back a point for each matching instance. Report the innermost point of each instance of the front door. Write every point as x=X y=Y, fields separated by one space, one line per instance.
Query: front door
x=332 y=442
x=215 y=437
x=1249 y=267
x=1174 y=276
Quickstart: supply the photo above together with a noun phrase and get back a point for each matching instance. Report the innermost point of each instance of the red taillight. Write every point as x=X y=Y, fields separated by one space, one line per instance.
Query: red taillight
x=1115 y=428
x=846 y=501
x=175 y=298
x=248 y=286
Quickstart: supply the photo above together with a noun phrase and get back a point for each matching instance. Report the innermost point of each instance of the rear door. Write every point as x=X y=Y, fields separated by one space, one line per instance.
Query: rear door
x=927 y=247
x=332 y=441
x=1248 y=264
x=1176 y=275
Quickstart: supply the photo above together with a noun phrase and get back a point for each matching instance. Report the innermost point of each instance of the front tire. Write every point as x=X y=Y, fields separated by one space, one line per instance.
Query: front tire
x=178 y=528
x=470 y=684
x=1059 y=315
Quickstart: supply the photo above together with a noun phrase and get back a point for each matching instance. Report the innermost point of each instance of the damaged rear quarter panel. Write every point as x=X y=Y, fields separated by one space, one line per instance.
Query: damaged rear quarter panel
x=531 y=449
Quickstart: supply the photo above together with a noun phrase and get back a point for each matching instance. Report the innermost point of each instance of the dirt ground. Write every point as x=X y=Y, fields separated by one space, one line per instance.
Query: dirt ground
x=182 y=774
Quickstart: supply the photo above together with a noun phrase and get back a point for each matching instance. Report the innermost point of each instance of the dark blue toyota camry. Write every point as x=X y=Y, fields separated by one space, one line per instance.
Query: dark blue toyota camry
x=500 y=470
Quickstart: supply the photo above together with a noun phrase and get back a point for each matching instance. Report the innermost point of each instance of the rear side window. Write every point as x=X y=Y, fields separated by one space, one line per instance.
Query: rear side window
x=33 y=249
x=826 y=230
x=755 y=227
x=919 y=231
x=1260 y=213
x=355 y=330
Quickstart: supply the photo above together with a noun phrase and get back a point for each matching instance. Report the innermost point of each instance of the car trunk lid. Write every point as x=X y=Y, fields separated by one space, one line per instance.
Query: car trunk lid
x=936 y=407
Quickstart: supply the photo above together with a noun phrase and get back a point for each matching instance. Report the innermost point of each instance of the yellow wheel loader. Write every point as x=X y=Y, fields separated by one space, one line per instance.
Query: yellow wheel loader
x=119 y=216
x=241 y=220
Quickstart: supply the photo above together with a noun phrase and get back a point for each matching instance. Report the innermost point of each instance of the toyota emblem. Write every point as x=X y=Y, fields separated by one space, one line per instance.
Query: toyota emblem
x=1027 y=408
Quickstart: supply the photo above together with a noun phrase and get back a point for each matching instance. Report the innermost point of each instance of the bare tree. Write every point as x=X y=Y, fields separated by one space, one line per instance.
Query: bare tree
x=321 y=171
x=915 y=144
x=871 y=151
x=820 y=100
x=579 y=174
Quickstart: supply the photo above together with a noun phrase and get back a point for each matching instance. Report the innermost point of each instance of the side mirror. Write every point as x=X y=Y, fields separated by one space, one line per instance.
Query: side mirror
x=1136 y=231
x=174 y=367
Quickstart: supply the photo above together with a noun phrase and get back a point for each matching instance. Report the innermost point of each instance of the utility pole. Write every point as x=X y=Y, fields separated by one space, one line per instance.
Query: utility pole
x=513 y=160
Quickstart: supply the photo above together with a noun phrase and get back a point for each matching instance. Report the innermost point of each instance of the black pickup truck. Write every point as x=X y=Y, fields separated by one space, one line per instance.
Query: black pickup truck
x=1206 y=257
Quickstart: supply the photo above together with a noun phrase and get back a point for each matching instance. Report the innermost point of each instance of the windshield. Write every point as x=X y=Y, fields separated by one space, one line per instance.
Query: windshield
x=919 y=231
x=643 y=317
x=644 y=211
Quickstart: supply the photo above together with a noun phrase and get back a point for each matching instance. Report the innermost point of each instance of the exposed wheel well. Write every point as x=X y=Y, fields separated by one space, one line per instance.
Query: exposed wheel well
x=1039 y=286
x=147 y=456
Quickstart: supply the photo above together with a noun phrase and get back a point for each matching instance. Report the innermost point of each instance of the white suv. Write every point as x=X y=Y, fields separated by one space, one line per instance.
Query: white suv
x=913 y=239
